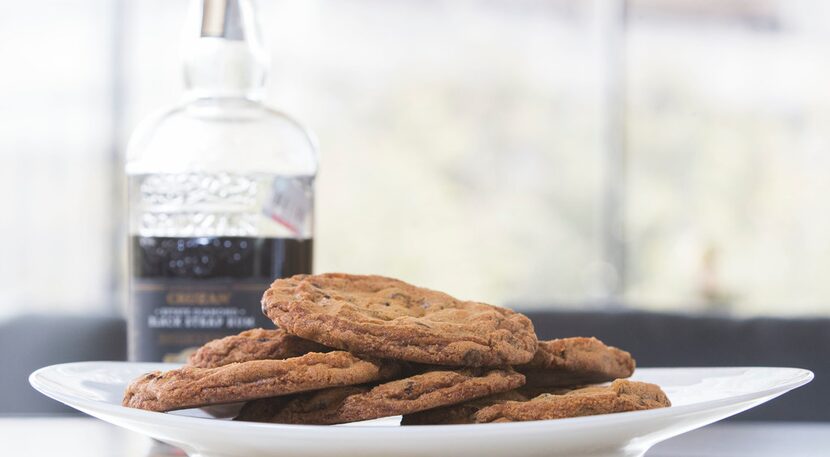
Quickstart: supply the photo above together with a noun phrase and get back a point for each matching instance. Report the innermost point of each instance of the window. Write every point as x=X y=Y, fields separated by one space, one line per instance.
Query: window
x=539 y=153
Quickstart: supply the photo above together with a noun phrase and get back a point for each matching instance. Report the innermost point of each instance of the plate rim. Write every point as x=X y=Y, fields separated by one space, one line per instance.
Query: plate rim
x=801 y=376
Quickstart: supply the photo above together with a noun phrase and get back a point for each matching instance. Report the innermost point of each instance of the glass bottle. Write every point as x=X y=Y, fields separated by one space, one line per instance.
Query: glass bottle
x=221 y=192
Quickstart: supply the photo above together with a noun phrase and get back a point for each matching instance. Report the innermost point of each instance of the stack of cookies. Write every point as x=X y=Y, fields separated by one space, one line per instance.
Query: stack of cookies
x=350 y=348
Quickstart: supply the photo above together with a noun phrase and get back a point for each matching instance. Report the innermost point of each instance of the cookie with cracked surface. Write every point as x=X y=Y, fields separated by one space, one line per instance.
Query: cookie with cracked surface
x=387 y=318
x=576 y=361
x=621 y=396
x=462 y=413
x=404 y=396
x=253 y=344
x=191 y=387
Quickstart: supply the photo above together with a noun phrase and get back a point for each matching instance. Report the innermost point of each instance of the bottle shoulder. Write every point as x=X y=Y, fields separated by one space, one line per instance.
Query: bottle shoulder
x=236 y=135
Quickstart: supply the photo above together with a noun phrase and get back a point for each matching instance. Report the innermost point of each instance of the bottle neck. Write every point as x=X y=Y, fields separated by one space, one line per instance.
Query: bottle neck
x=223 y=52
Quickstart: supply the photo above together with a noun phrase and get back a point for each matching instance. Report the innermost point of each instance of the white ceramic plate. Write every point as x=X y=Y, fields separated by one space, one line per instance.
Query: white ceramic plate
x=699 y=396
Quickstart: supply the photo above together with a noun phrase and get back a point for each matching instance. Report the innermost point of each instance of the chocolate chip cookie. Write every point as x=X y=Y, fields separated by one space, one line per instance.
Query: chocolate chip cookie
x=535 y=391
x=620 y=396
x=387 y=318
x=405 y=396
x=462 y=413
x=191 y=387
x=576 y=361
x=253 y=344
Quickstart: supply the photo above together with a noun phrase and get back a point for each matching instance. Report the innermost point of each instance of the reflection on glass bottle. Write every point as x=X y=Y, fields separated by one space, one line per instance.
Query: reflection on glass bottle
x=221 y=193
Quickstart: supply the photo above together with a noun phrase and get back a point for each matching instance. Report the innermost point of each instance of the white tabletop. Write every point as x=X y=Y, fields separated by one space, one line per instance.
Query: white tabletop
x=746 y=439
x=86 y=437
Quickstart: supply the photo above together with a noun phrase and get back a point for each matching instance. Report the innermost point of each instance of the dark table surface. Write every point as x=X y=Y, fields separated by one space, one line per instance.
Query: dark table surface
x=86 y=437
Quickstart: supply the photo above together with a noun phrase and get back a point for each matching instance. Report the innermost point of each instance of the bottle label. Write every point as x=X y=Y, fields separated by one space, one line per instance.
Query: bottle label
x=170 y=318
x=186 y=291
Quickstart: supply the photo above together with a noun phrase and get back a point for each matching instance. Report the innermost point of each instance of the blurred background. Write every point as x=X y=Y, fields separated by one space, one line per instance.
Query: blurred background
x=653 y=172
x=659 y=154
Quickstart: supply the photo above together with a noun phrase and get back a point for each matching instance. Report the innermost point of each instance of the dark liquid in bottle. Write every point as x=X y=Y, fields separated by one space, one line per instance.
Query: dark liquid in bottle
x=185 y=292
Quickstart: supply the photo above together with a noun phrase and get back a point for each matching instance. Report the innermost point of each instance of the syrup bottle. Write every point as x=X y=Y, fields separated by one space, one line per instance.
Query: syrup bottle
x=221 y=193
